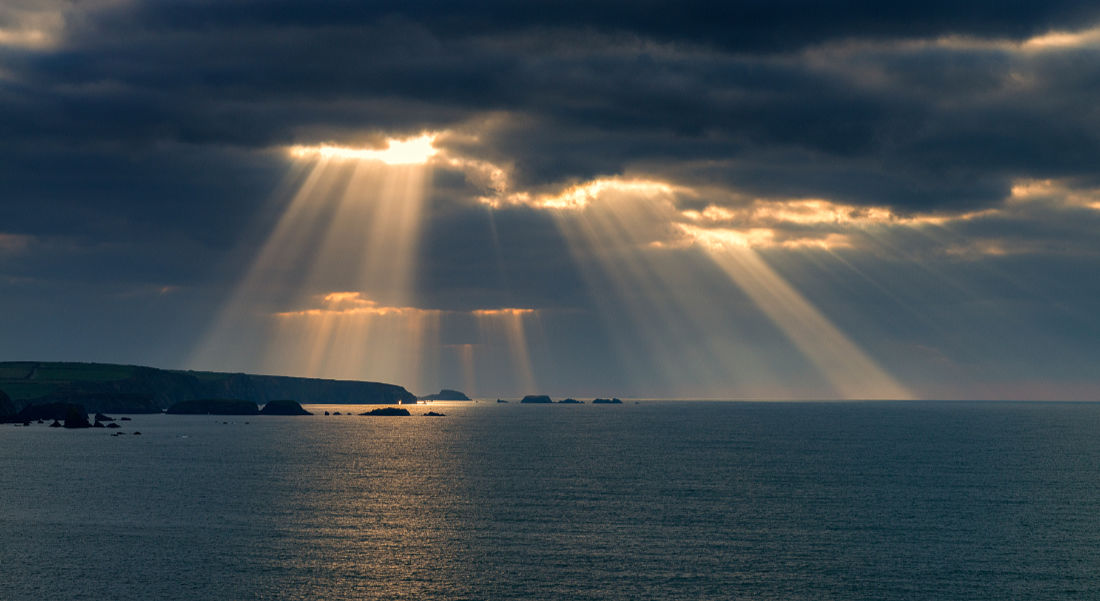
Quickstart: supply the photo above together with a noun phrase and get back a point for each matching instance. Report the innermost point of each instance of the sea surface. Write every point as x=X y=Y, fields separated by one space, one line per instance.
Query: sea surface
x=655 y=500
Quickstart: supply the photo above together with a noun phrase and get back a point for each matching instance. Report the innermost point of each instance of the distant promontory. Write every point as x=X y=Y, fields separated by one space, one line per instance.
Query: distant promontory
x=111 y=388
x=283 y=408
x=446 y=394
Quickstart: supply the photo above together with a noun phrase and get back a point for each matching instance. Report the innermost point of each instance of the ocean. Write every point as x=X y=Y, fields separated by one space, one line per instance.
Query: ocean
x=654 y=500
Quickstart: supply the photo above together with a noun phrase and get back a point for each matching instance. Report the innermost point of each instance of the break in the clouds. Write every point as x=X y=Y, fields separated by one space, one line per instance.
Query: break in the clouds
x=916 y=184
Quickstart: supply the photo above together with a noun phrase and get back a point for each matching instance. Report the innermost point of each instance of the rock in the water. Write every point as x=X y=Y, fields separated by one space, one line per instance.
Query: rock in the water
x=77 y=418
x=283 y=408
x=501 y=401
x=112 y=425
x=326 y=413
x=434 y=414
x=387 y=411
x=125 y=419
x=214 y=407
x=55 y=424
x=607 y=402
x=446 y=394
x=137 y=433
x=99 y=417
x=98 y=424
x=570 y=402
x=536 y=398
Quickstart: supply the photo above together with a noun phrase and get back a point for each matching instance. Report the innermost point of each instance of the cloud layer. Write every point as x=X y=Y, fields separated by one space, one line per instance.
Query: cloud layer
x=143 y=148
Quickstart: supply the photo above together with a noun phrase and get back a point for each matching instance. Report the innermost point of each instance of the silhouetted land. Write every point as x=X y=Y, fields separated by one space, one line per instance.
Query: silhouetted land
x=283 y=408
x=110 y=388
x=606 y=402
x=48 y=411
x=7 y=407
x=446 y=394
x=214 y=407
x=536 y=398
x=387 y=411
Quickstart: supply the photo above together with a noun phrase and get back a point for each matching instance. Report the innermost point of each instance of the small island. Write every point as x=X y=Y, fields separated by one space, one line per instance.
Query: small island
x=536 y=399
x=214 y=407
x=607 y=402
x=387 y=411
x=570 y=401
x=446 y=394
x=283 y=407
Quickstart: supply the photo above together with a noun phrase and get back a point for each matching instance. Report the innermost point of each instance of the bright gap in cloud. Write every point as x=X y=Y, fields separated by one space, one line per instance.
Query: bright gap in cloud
x=410 y=151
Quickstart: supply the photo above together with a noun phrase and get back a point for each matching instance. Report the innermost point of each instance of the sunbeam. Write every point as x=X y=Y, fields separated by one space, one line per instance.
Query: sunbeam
x=508 y=324
x=353 y=226
x=850 y=371
x=672 y=318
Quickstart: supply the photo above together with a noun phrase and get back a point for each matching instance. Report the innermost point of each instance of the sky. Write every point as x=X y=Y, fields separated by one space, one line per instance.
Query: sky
x=766 y=200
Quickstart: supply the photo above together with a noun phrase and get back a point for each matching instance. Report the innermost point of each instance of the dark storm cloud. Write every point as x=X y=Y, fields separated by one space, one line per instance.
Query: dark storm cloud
x=795 y=98
x=156 y=118
x=748 y=25
x=773 y=99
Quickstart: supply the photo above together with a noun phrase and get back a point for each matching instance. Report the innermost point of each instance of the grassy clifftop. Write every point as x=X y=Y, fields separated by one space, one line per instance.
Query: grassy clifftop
x=98 y=385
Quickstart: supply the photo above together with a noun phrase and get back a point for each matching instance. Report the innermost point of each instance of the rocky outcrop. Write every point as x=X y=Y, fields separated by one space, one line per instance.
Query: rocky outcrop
x=283 y=408
x=434 y=414
x=7 y=407
x=387 y=411
x=214 y=407
x=536 y=398
x=76 y=417
x=446 y=394
x=570 y=402
x=607 y=402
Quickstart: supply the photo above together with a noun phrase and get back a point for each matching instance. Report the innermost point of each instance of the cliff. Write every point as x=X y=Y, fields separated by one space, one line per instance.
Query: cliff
x=134 y=389
x=214 y=407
